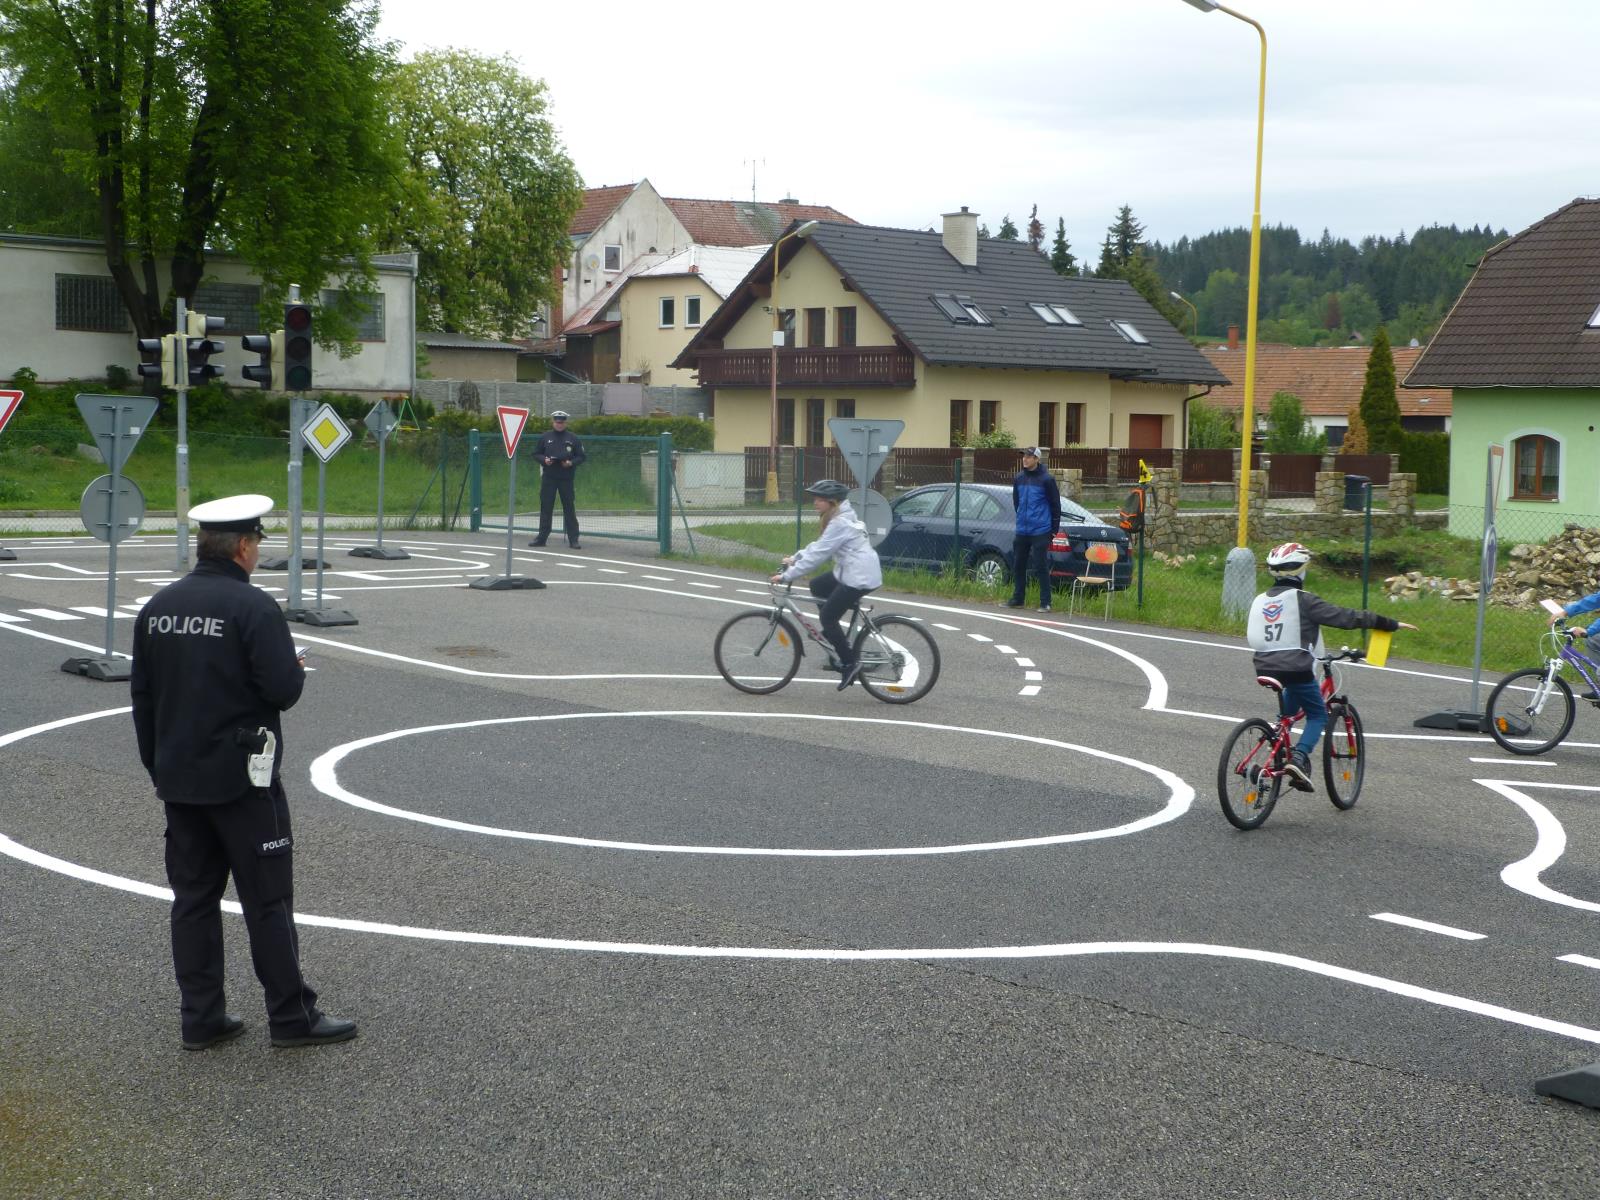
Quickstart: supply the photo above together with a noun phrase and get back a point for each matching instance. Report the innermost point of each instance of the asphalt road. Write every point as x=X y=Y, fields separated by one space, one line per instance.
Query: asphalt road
x=611 y=928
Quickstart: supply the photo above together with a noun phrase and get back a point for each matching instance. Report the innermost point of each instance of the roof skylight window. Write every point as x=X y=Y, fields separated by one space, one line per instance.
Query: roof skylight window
x=1045 y=313
x=1130 y=332
x=1594 y=320
x=1066 y=315
x=962 y=310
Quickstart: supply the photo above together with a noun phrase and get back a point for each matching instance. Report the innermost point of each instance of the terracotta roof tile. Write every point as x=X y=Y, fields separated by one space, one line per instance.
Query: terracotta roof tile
x=598 y=204
x=744 y=222
x=1328 y=379
x=1522 y=319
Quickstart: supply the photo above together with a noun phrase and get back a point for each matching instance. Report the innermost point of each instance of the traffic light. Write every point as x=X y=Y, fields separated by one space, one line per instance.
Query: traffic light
x=269 y=371
x=200 y=348
x=296 y=347
x=158 y=359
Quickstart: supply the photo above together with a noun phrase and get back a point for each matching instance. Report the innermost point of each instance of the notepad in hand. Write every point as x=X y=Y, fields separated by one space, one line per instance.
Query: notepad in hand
x=1551 y=607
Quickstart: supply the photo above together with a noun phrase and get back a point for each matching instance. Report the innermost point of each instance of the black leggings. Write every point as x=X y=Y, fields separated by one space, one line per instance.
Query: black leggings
x=837 y=599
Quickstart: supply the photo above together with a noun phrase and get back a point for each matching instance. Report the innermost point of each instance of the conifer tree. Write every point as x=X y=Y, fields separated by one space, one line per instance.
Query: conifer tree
x=1061 y=256
x=1355 y=436
x=1035 y=230
x=1008 y=229
x=1380 y=407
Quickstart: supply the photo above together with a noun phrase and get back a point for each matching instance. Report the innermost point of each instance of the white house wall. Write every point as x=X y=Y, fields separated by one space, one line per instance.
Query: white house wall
x=640 y=224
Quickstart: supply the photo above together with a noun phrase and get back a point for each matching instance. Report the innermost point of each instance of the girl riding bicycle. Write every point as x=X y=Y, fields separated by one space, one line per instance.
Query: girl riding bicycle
x=1285 y=633
x=856 y=569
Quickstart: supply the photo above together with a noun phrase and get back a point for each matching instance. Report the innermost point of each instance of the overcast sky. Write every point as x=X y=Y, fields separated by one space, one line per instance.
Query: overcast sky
x=1381 y=115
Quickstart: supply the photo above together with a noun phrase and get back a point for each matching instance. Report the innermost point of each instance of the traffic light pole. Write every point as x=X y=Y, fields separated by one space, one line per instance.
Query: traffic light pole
x=297 y=419
x=181 y=524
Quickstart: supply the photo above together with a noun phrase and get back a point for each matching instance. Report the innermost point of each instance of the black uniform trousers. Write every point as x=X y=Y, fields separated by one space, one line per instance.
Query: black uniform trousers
x=249 y=839
x=549 y=484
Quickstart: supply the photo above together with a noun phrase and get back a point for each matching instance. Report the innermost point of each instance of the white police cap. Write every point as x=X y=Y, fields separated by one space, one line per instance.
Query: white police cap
x=232 y=514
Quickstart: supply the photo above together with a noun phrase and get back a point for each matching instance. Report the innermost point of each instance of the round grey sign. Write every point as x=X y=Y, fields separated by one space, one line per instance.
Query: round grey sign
x=873 y=511
x=96 y=509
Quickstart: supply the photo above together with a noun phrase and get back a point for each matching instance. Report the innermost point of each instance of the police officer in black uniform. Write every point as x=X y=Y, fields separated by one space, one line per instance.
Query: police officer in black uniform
x=561 y=454
x=213 y=667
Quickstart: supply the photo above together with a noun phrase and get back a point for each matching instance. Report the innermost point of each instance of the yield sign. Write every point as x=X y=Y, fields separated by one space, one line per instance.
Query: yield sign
x=116 y=422
x=9 y=401
x=865 y=442
x=512 y=422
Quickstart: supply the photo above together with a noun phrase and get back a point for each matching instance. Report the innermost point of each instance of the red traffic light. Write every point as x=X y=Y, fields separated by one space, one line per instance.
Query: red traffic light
x=297 y=318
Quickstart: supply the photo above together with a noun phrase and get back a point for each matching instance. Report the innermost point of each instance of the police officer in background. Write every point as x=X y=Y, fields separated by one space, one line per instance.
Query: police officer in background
x=561 y=455
x=213 y=667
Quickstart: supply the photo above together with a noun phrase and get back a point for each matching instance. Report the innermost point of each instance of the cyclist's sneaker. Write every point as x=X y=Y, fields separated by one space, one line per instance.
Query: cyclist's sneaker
x=1589 y=696
x=850 y=674
x=1298 y=771
x=1043 y=608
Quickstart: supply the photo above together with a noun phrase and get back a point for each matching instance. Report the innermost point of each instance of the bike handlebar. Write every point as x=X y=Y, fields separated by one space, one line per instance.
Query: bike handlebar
x=1353 y=653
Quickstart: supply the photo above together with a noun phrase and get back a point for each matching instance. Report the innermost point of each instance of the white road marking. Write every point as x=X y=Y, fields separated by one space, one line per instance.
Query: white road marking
x=611 y=571
x=1033 y=689
x=978 y=637
x=1465 y=935
x=715 y=587
x=7 y=617
x=90 y=610
x=1550 y=842
x=947 y=628
x=672 y=579
x=1033 y=676
x=1025 y=662
x=324 y=777
x=1581 y=960
x=1514 y=762
x=1005 y=649
x=50 y=614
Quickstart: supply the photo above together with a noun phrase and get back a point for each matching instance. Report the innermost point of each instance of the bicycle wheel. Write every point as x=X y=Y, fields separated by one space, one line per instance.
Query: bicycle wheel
x=899 y=659
x=1246 y=801
x=758 y=652
x=1344 y=755
x=1529 y=713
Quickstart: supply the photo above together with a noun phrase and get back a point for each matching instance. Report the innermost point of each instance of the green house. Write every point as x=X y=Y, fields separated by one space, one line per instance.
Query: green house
x=1520 y=352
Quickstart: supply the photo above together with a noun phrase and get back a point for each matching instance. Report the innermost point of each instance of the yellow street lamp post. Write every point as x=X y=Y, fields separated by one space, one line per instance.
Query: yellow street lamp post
x=1239 y=574
x=1194 y=313
x=802 y=230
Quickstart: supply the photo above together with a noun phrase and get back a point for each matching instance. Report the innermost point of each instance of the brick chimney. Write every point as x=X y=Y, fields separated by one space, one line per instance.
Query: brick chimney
x=1233 y=337
x=961 y=236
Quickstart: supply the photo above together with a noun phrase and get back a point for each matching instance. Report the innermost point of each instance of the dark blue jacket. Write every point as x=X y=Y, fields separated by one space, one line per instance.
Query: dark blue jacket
x=1038 y=502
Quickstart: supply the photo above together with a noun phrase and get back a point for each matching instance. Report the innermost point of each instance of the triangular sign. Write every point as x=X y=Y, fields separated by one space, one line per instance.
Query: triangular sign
x=9 y=401
x=117 y=423
x=865 y=443
x=512 y=422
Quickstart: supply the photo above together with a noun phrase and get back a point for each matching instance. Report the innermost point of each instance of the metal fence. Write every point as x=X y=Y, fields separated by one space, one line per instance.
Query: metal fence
x=543 y=397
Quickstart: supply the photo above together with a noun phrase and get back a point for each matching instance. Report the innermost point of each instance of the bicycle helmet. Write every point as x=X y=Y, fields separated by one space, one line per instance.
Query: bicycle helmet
x=828 y=489
x=1288 y=559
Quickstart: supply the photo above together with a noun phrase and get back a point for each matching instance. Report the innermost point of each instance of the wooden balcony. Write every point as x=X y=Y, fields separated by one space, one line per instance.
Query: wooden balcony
x=831 y=366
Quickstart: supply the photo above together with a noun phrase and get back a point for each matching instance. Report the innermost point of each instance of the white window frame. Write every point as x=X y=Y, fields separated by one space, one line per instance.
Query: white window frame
x=606 y=258
x=1594 y=319
x=1068 y=317
x=666 y=312
x=1045 y=313
x=699 y=310
x=1130 y=332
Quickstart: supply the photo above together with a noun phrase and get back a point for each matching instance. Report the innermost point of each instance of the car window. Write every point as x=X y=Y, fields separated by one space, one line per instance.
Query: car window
x=1075 y=513
x=978 y=506
x=919 y=504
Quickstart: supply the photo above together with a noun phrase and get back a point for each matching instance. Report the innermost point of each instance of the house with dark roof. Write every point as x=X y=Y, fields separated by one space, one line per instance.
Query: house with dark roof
x=1520 y=352
x=951 y=333
x=1328 y=380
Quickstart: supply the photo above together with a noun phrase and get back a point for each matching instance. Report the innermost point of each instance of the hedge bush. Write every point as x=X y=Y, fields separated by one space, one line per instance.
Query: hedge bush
x=1428 y=454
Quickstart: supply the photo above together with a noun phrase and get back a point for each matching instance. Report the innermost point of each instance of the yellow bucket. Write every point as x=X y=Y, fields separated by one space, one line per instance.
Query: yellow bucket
x=1378 y=647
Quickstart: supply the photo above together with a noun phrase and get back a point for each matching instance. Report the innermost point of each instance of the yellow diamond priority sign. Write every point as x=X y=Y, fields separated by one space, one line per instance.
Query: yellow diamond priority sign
x=325 y=433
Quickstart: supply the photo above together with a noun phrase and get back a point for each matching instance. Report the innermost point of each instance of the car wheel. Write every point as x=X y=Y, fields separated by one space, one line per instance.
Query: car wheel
x=989 y=569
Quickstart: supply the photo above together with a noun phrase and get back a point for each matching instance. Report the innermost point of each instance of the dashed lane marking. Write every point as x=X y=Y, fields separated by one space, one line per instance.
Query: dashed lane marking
x=1579 y=960
x=1033 y=689
x=50 y=614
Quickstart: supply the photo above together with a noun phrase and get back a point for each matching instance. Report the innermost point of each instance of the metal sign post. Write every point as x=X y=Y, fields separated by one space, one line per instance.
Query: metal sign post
x=1473 y=718
x=10 y=401
x=381 y=421
x=326 y=434
x=117 y=423
x=181 y=374
x=512 y=422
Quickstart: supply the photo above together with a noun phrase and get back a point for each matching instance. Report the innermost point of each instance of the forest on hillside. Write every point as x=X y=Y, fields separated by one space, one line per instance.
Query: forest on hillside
x=1327 y=291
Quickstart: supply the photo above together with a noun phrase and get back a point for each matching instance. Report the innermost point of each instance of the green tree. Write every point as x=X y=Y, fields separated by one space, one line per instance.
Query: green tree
x=983 y=231
x=1380 y=406
x=1141 y=273
x=1211 y=428
x=1008 y=229
x=487 y=192
x=1124 y=237
x=1359 y=309
x=1061 y=256
x=1288 y=431
x=187 y=154
x=39 y=192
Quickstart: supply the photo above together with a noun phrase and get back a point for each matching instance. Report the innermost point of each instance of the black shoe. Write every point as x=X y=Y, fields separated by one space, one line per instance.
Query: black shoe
x=1011 y=604
x=1298 y=771
x=537 y=542
x=327 y=1029
x=1589 y=696
x=850 y=674
x=574 y=546
x=230 y=1028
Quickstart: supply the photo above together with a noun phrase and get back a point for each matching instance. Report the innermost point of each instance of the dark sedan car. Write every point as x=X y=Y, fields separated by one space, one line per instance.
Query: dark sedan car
x=923 y=533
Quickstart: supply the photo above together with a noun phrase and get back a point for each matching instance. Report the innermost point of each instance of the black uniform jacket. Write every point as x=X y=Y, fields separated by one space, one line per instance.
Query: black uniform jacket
x=211 y=655
x=558 y=446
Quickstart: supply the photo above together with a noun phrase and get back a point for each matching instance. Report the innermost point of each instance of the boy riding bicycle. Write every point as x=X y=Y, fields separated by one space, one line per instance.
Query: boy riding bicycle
x=1585 y=604
x=1285 y=633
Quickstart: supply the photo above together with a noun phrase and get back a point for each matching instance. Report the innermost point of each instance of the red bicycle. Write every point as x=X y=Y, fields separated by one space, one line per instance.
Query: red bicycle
x=1254 y=759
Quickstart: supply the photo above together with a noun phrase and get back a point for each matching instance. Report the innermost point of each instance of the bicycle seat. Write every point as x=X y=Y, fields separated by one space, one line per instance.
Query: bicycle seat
x=1268 y=682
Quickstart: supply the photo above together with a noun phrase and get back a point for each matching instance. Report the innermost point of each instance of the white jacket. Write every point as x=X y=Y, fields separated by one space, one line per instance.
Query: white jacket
x=845 y=541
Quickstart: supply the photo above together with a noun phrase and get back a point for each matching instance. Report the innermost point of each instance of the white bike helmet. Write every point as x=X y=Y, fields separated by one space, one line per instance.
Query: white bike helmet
x=1288 y=559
